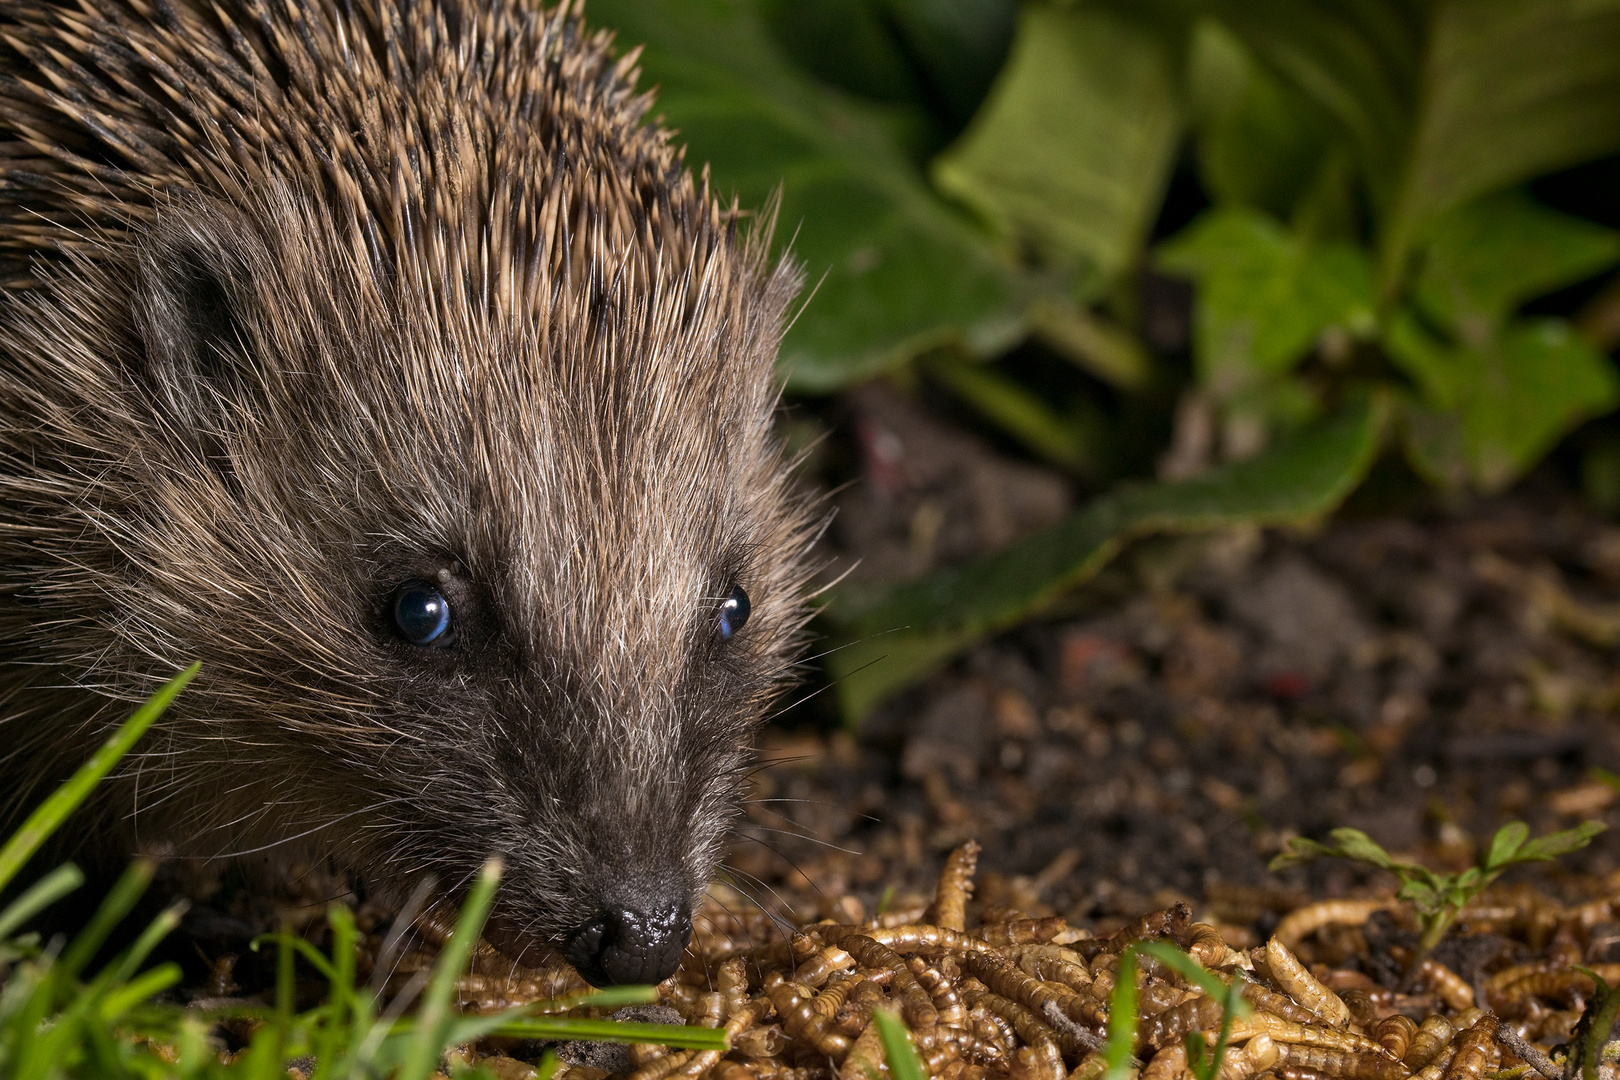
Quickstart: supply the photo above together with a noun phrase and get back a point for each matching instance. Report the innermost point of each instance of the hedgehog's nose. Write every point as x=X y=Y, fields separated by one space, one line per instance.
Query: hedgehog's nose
x=618 y=947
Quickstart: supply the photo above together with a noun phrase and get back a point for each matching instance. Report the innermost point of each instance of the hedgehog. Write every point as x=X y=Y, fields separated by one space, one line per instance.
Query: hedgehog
x=386 y=357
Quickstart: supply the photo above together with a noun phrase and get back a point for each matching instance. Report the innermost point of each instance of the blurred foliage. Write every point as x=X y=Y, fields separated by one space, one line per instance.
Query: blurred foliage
x=965 y=177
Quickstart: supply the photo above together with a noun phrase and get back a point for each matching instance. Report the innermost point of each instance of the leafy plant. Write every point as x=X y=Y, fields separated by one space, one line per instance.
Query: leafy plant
x=960 y=179
x=1437 y=898
x=913 y=628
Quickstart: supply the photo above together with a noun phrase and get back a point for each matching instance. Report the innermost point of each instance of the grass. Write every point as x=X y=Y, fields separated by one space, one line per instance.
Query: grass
x=58 y=1022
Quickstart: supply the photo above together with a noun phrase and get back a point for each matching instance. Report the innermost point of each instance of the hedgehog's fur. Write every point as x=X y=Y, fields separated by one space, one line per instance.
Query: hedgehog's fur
x=305 y=299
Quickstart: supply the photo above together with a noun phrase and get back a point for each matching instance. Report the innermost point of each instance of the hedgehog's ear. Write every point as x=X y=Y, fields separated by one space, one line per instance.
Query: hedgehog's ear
x=193 y=311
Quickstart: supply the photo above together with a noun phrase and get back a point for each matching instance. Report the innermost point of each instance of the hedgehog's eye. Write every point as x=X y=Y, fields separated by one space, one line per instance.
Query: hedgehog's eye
x=733 y=612
x=421 y=613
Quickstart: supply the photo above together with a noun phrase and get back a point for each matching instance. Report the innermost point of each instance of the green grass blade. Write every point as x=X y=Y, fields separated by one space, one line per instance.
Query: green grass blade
x=117 y=1002
x=902 y=1056
x=1122 y=1019
x=130 y=960
x=623 y=1031
x=110 y=912
x=53 y=811
x=614 y=997
x=434 y=1016
x=39 y=896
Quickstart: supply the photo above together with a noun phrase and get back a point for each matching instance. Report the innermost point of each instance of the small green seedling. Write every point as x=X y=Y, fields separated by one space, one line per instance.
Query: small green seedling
x=1437 y=898
x=1202 y=1060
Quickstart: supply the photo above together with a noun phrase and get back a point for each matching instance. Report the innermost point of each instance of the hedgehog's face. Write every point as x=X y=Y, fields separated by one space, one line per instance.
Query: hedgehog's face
x=482 y=587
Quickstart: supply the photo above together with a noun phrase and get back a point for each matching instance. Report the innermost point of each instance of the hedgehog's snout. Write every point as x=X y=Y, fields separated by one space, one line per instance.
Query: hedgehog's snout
x=619 y=946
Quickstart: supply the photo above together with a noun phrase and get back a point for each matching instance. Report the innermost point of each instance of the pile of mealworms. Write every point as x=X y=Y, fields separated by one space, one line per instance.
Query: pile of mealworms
x=1028 y=998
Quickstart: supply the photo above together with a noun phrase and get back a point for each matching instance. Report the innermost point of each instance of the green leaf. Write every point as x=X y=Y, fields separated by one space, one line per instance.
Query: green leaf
x=1122 y=1016
x=50 y=814
x=1071 y=152
x=897 y=1049
x=1259 y=144
x=1355 y=844
x=1300 y=850
x=901 y=633
x=1420 y=894
x=1263 y=295
x=1511 y=89
x=1559 y=843
x=1496 y=410
x=620 y=1031
x=1357 y=61
x=1488 y=256
x=894 y=270
x=1506 y=844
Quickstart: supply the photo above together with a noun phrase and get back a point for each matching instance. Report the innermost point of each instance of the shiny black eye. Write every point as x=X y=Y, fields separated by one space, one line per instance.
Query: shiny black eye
x=421 y=613
x=734 y=612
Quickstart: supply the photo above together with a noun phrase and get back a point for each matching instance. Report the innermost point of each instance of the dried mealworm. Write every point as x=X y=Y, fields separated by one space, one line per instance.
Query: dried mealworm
x=1205 y=944
x=1030 y=1026
x=991 y=1028
x=1167 y=1064
x=1433 y=1036
x=803 y=1022
x=928 y=940
x=940 y=992
x=1168 y=1027
x=660 y=1067
x=1343 y=1064
x=1011 y=982
x=915 y=1005
x=1363 y=1009
x=1288 y=973
x=1436 y=1068
x=1264 y=997
x=760 y=1042
x=1394 y=1034
x=1022 y=931
x=1287 y=1031
x=865 y=1057
x=955 y=886
x=1301 y=922
x=831 y=999
x=1477 y=1050
x=1166 y=922
x=1499 y=981
x=1242 y=1062
x=741 y=1021
x=968 y=1045
x=857 y=1011
x=1447 y=983
x=765 y=1070
x=817 y=969
x=1565 y=986
x=1296 y=1072
x=710 y=1011
x=1051 y=963
x=731 y=982
x=1037 y=1061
